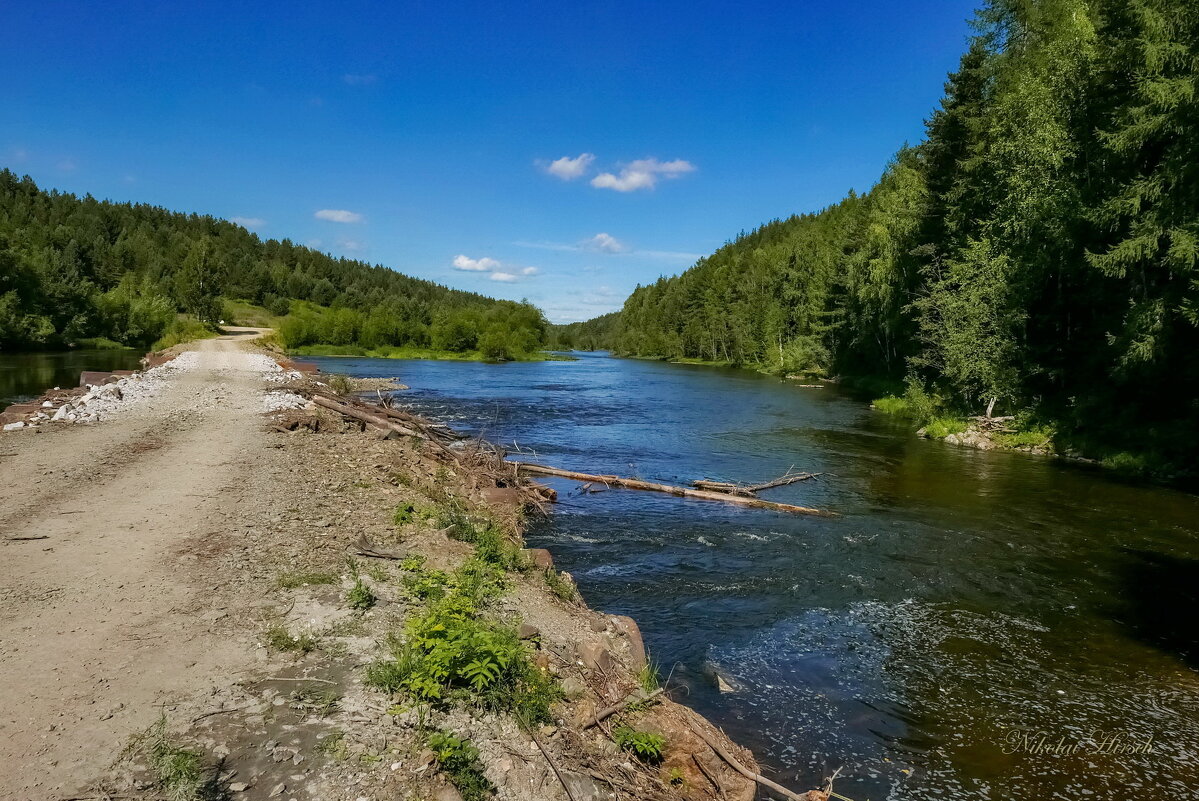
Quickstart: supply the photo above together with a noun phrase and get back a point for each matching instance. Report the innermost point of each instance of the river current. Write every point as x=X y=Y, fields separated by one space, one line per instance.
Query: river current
x=973 y=625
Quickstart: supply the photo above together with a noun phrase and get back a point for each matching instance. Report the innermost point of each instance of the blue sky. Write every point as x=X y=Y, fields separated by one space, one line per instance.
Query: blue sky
x=562 y=152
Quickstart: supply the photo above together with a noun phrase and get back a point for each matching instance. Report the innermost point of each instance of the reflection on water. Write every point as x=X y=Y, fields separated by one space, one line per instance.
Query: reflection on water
x=27 y=375
x=960 y=597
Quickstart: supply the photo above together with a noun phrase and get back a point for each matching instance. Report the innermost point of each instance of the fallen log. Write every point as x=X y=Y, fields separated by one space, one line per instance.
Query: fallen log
x=681 y=492
x=365 y=416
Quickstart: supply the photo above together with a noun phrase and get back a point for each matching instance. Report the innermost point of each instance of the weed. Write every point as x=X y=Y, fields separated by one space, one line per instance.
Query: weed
x=291 y=580
x=1127 y=464
x=412 y=563
x=317 y=702
x=405 y=513
x=459 y=760
x=648 y=678
x=333 y=745
x=427 y=585
x=561 y=585
x=179 y=772
x=341 y=384
x=645 y=745
x=278 y=638
x=377 y=571
x=360 y=596
x=448 y=655
x=675 y=777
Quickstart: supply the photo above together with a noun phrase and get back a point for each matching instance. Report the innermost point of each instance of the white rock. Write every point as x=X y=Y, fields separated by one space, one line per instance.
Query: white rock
x=62 y=412
x=14 y=426
x=47 y=405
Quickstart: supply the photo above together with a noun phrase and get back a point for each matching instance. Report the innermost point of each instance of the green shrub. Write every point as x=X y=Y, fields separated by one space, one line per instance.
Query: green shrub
x=645 y=745
x=360 y=596
x=941 y=427
x=183 y=329
x=448 y=655
x=459 y=760
x=1128 y=464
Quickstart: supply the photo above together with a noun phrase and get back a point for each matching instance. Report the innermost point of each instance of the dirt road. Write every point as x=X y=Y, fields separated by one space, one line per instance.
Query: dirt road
x=104 y=614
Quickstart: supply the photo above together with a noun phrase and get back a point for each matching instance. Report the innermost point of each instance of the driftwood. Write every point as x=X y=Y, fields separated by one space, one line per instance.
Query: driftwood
x=681 y=492
x=723 y=753
x=752 y=489
x=635 y=698
x=349 y=410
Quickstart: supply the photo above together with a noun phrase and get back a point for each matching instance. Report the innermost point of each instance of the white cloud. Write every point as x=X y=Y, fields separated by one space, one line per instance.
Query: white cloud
x=358 y=80
x=248 y=222
x=482 y=265
x=642 y=174
x=568 y=169
x=338 y=216
x=505 y=277
x=604 y=242
x=529 y=271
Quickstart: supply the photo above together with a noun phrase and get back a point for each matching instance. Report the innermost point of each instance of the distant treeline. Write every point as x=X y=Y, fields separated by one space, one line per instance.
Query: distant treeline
x=74 y=269
x=594 y=334
x=1039 y=251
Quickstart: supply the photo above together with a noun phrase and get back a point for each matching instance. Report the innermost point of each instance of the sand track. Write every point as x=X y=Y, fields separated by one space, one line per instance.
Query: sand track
x=107 y=618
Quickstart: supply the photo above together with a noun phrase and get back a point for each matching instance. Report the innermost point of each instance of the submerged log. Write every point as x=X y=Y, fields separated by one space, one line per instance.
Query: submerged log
x=682 y=492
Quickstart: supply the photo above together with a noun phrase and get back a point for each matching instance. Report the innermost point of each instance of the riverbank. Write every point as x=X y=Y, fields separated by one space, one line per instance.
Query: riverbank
x=308 y=351
x=281 y=592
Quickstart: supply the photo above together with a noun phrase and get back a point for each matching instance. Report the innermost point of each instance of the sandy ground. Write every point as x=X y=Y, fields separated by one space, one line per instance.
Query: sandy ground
x=107 y=616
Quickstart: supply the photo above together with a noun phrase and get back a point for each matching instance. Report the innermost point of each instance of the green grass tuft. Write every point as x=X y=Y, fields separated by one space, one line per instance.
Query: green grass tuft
x=179 y=772
x=278 y=638
x=941 y=427
x=459 y=760
x=360 y=596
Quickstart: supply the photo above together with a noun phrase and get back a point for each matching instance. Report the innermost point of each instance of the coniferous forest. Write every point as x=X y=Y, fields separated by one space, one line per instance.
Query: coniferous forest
x=77 y=270
x=1036 y=255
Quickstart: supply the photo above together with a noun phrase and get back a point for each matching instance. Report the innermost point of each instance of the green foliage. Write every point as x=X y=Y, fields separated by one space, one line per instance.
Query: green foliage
x=1039 y=250
x=449 y=655
x=76 y=268
x=648 y=677
x=459 y=760
x=941 y=427
x=360 y=596
x=183 y=329
x=645 y=745
x=891 y=405
x=341 y=384
x=179 y=772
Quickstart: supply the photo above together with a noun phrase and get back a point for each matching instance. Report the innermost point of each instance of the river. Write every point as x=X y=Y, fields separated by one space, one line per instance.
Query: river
x=962 y=605
x=27 y=375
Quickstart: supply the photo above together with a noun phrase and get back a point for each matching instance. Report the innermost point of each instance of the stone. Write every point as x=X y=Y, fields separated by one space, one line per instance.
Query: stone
x=277 y=790
x=448 y=793
x=585 y=788
x=14 y=426
x=598 y=624
x=540 y=557
x=573 y=687
x=629 y=628
x=239 y=787
x=62 y=413
x=47 y=405
x=542 y=660
x=595 y=656
x=528 y=631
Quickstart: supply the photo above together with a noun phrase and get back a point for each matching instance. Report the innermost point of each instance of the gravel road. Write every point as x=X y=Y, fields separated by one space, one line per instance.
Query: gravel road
x=104 y=614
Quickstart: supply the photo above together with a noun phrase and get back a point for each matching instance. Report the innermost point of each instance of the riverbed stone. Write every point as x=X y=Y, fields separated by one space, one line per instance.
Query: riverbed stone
x=541 y=558
x=595 y=656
